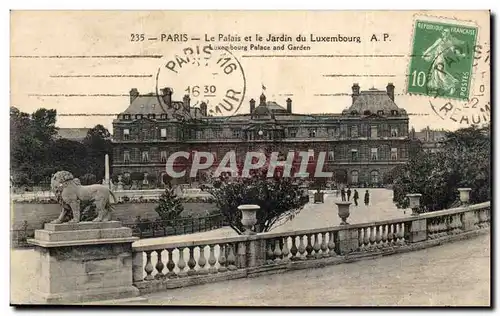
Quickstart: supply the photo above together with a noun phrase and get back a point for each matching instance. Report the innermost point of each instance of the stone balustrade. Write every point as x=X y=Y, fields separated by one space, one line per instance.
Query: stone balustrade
x=170 y=265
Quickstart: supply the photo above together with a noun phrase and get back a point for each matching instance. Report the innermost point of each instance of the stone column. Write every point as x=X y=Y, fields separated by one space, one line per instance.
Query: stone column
x=83 y=262
x=106 y=169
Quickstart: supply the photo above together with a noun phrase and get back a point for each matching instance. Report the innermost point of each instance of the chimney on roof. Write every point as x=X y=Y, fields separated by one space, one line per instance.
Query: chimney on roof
x=252 y=106
x=355 y=92
x=390 y=90
x=166 y=95
x=186 y=100
x=203 y=108
x=289 y=105
x=134 y=93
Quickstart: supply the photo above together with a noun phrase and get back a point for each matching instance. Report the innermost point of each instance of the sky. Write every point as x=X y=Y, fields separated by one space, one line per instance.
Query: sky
x=84 y=63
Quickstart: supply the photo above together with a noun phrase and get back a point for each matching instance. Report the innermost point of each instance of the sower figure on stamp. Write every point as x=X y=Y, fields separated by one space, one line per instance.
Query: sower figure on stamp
x=440 y=79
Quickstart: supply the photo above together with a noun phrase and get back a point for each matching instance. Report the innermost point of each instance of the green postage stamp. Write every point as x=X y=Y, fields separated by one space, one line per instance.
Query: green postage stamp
x=442 y=59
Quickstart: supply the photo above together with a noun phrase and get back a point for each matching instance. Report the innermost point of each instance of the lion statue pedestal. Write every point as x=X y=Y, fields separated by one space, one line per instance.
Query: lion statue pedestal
x=82 y=262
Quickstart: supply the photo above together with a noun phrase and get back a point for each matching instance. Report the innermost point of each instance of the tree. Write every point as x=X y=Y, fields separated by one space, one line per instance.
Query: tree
x=463 y=162
x=279 y=198
x=97 y=144
x=170 y=206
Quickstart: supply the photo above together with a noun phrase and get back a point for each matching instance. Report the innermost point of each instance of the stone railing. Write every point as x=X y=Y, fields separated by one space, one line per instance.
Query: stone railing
x=170 y=265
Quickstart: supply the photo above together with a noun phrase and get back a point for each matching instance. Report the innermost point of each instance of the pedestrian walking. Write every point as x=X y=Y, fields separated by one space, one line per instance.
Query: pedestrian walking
x=367 y=198
x=355 y=197
x=342 y=194
x=348 y=194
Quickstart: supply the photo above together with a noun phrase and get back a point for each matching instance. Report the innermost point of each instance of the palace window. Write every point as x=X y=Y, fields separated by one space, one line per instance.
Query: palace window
x=380 y=112
x=163 y=116
x=152 y=116
x=163 y=133
x=163 y=156
x=394 y=132
x=374 y=130
x=331 y=155
x=374 y=177
x=394 y=154
x=354 y=176
x=354 y=131
x=145 y=156
x=292 y=132
x=126 y=116
x=126 y=134
x=374 y=154
x=354 y=154
x=126 y=156
x=138 y=116
x=312 y=133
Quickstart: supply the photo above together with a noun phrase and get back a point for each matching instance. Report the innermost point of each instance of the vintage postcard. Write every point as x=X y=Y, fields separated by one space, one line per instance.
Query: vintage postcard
x=250 y=158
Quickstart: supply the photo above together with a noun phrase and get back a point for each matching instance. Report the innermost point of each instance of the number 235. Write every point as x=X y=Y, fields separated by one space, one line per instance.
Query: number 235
x=134 y=37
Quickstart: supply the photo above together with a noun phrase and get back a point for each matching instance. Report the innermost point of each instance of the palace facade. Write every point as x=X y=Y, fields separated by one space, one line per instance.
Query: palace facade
x=364 y=142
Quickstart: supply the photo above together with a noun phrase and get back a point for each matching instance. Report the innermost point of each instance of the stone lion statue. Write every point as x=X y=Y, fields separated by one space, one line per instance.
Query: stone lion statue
x=69 y=192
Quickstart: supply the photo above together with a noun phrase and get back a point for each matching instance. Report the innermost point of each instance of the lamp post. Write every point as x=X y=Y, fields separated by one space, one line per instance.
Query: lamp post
x=464 y=195
x=414 y=202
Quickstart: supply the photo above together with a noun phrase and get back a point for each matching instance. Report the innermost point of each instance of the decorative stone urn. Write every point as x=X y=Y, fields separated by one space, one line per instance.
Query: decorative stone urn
x=249 y=217
x=414 y=202
x=343 y=211
x=464 y=195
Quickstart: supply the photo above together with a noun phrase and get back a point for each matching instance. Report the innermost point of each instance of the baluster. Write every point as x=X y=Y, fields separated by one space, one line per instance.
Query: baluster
x=477 y=219
x=202 y=261
x=171 y=264
x=294 y=250
x=373 y=237
x=361 y=239
x=430 y=228
x=222 y=258
x=302 y=248
x=159 y=266
x=331 y=244
x=390 y=235
x=401 y=233
x=270 y=252
x=384 y=235
x=277 y=250
x=212 y=260
x=324 y=246
x=191 y=262
x=378 y=238
x=316 y=246
x=444 y=226
x=366 y=239
x=231 y=258
x=285 y=250
x=181 y=264
x=309 y=247
x=148 y=267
